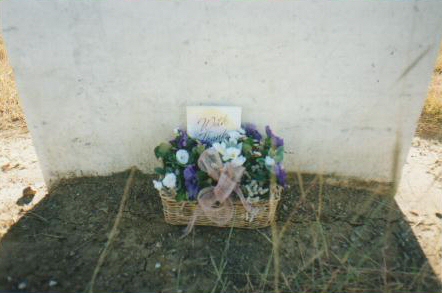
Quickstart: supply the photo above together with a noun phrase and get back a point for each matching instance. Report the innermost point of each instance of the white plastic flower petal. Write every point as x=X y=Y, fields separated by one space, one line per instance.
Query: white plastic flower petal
x=182 y=156
x=233 y=141
x=158 y=185
x=233 y=134
x=220 y=147
x=239 y=161
x=169 y=180
x=231 y=153
x=269 y=161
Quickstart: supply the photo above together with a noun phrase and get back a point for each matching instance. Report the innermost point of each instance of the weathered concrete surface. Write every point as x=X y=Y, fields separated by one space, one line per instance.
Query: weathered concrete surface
x=103 y=82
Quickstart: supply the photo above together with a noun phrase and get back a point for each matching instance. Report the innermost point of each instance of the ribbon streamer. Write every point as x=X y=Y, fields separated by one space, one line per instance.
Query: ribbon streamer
x=215 y=202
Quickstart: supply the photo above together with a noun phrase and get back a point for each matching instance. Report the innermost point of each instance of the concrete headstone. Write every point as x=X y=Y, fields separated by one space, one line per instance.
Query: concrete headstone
x=103 y=82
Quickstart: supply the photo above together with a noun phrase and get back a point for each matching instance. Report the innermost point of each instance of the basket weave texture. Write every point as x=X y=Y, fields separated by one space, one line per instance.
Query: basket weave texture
x=181 y=213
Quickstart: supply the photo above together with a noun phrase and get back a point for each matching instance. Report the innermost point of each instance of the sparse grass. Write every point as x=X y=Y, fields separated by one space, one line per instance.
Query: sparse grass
x=438 y=68
x=430 y=124
x=433 y=105
x=11 y=114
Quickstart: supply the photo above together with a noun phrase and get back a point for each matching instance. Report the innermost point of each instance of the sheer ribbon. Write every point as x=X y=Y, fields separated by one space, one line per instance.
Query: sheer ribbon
x=215 y=202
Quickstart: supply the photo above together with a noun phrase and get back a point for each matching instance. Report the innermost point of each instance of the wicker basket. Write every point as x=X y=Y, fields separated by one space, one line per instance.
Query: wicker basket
x=180 y=213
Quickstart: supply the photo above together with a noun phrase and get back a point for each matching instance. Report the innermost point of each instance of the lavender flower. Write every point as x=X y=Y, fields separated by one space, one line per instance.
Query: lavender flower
x=281 y=175
x=276 y=141
x=181 y=138
x=182 y=143
x=251 y=131
x=191 y=181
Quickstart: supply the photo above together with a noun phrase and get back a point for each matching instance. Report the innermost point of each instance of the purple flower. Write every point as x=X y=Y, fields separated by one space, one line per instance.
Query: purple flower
x=252 y=132
x=182 y=142
x=191 y=181
x=276 y=141
x=281 y=175
x=181 y=139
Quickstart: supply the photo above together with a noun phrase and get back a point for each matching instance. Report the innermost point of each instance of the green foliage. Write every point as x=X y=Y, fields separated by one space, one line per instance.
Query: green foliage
x=279 y=155
x=162 y=150
x=247 y=147
x=181 y=196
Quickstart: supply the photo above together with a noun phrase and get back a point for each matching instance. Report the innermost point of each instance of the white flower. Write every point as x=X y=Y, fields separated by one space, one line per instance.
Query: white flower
x=169 y=180
x=176 y=131
x=255 y=153
x=182 y=156
x=242 y=131
x=220 y=147
x=255 y=168
x=158 y=185
x=253 y=199
x=269 y=161
x=263 y=190
x=239 y=161
x=231 y=154
x=252 y=188
x=233 y=134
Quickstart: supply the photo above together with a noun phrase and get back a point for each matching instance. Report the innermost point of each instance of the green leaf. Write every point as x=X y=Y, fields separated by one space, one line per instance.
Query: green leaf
x=160 y=171
x=162 y=150
x=202 y=176
x=200 y=149
x=279 y=154
x=246 y=148
x=268 y=142
x=181 y=196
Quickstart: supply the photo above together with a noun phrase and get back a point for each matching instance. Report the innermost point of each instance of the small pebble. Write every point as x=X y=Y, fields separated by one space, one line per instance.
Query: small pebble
x=22 y=285
x=157 y=265
x=52 y=283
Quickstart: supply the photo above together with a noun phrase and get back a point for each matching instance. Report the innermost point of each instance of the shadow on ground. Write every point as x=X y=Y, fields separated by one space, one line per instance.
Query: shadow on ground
x=337 y=240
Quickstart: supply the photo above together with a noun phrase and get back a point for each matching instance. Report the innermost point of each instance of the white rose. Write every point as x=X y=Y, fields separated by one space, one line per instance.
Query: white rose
x=269 y=161
x=169 y=180
x=231 y=154
x=158 y=185
x=220 y=147
x=182 y=156
x=239 y=161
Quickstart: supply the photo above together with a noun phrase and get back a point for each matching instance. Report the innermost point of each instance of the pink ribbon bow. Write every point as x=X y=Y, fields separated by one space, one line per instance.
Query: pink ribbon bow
x=215 y=201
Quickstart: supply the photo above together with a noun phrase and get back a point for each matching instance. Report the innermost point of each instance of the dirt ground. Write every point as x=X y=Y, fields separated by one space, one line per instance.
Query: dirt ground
x=359 y=242
x=340 y=239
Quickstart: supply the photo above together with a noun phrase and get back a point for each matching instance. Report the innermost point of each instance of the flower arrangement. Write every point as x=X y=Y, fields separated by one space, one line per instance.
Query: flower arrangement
x=260 y=156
